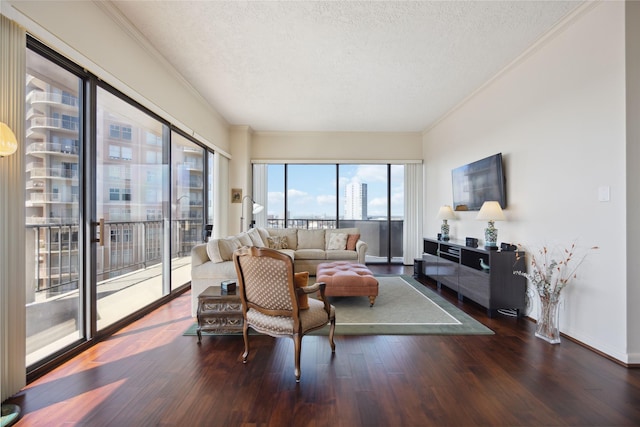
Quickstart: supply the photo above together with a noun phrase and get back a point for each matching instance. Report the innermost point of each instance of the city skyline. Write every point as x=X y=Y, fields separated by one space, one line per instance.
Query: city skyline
x=312 y=189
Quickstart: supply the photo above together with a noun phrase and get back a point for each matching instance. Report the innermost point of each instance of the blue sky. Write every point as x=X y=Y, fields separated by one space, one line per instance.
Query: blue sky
x=312 y=192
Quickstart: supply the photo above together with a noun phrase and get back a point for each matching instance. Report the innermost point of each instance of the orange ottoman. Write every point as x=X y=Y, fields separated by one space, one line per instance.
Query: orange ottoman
x=347 y=279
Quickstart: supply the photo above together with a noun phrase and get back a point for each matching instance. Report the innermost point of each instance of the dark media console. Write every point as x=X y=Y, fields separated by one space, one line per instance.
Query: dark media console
x=480 y=275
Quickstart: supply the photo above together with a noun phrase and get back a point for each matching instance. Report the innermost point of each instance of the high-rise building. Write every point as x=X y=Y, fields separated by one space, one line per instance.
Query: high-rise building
x=356 y=201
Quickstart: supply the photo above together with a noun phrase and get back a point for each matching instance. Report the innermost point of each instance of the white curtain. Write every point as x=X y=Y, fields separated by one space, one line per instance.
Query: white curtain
x=220 y=196
x=412 y=212
x=260 y=192
x=13 y=44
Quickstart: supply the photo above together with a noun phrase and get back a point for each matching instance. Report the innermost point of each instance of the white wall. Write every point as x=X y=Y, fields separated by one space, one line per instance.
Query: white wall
x=85 y=32
x=240 y=177
x=633 y=176
x=336 y=146
x=558 y=117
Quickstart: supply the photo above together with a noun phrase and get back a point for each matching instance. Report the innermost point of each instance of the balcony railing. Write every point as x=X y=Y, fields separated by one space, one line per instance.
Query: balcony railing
x=51 y=147
x=53 y=197
x=55 y=98
x=128 y=246
x=38 y=170
x=53 y=123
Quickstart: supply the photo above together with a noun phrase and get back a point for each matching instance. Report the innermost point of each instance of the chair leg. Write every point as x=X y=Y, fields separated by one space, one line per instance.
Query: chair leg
x=245 y=335
x=332 y=330
x=297 y=344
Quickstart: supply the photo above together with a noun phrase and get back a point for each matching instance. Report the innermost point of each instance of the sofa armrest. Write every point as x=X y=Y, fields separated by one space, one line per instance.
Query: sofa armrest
x=199 y=255
x=361 y=249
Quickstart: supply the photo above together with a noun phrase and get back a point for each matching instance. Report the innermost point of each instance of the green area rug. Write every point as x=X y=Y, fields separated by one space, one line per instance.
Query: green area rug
x=403 y=307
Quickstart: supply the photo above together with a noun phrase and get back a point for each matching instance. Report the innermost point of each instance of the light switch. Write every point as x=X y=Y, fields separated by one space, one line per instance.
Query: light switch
x=604 y=193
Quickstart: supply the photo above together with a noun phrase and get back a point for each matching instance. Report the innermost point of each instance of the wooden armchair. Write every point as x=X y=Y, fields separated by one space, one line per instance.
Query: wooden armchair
x=270 y=301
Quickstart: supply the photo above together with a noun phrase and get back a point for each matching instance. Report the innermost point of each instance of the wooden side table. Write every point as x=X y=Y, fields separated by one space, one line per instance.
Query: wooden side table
x=219 y=311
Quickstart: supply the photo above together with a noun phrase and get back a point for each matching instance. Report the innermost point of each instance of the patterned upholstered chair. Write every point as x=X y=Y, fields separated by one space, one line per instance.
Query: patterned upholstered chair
x=271 y=302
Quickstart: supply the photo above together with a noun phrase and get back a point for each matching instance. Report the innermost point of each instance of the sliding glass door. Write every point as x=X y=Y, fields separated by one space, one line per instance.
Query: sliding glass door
x=52 y=153
x=187 y=205
x=131 y=209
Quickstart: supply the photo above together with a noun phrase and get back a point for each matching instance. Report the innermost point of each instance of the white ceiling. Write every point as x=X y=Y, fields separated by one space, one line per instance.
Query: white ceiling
x=340 y=65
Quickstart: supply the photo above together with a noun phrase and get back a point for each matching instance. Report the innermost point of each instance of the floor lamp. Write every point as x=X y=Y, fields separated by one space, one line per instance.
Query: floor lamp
x=8 y=146
x=256 y=208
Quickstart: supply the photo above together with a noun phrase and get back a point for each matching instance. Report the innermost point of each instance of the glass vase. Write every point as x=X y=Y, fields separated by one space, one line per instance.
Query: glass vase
x=548 y=326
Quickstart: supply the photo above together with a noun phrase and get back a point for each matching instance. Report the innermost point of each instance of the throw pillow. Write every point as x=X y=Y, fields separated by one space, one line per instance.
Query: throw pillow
x=227 y=247
x=245 y=240
x=337 y=241
x=277 y=242
x=352 y=239
x=213 y=251
x=310 y=239
x=300 y=280
x=264 y=234
x=256 y=240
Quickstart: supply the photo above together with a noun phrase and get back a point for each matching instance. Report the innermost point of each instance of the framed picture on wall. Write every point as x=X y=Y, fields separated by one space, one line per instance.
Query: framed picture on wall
x=236 y=195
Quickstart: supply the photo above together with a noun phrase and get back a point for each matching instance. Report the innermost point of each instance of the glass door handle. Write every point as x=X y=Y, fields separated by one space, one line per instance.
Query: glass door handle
x=100 y=232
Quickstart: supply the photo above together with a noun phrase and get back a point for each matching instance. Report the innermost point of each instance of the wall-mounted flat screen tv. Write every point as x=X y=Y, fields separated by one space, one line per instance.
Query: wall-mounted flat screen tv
x=477 y=182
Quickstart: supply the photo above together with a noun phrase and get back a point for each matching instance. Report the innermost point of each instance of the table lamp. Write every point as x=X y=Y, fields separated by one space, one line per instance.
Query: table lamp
x=445 y=213
x=491 y=212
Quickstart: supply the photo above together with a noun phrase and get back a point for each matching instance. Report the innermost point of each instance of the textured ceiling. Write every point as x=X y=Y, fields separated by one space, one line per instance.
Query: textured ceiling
x=340 y=65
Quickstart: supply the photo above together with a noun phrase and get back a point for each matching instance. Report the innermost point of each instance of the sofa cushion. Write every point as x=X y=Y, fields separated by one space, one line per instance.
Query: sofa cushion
x=310 y=239
x=300 y=280
x=336 y=241
x=342 y=255
x=277 y=242
x=352 y=239
x=290 y=233
x=310 y=254
x=245 y=240
x=228 y=246
x=255 y=237
x=264 y=233
x=220 y=250
x=290 y=252
x=211 y=271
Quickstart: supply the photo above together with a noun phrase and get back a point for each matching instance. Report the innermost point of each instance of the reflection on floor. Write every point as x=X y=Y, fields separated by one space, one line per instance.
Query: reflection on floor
x=53 y=324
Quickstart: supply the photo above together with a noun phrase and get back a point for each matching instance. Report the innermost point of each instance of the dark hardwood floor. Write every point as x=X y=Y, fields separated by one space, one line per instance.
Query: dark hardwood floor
x=148 y=374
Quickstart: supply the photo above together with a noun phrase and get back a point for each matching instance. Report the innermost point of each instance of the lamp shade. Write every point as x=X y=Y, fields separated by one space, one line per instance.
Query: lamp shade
x=446 y=212
x=491 y=211
x=257 y=208
x=8 y=142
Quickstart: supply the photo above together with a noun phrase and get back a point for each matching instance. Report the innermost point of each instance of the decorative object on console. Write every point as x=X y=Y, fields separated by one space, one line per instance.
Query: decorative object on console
x=471 y=242
x=445 y=213
x=551 y=270
x=8 y=142
x=228 y=285
x=491 y=212
x=255 y=208
x=507 y=247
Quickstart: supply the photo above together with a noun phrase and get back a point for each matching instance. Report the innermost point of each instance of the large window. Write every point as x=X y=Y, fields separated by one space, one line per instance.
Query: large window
x=311 y=196
x=367 y=196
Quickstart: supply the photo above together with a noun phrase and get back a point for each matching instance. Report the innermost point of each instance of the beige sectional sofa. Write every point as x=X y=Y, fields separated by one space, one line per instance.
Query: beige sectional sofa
x=212 y=262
